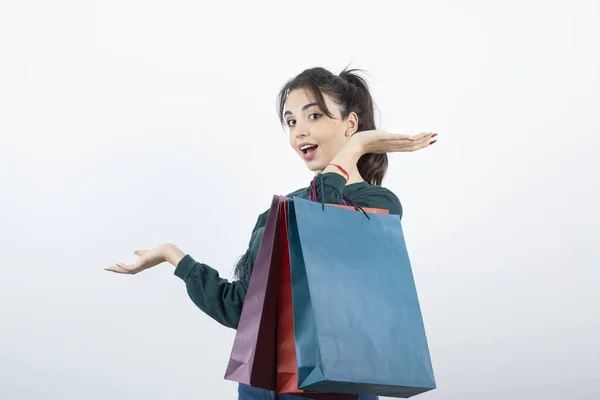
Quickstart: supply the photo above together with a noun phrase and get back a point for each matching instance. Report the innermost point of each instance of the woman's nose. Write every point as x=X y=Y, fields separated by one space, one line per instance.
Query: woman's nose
x=301 y=131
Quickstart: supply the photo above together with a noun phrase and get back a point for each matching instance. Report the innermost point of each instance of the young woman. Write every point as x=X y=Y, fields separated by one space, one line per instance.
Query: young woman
x=331 y=126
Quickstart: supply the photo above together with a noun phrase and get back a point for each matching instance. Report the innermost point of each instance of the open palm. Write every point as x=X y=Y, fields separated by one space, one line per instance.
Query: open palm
x=148 y=259
x=377 y=141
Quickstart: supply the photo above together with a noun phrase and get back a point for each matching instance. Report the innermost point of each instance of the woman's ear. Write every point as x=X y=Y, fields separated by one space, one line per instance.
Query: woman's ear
x=351 y=124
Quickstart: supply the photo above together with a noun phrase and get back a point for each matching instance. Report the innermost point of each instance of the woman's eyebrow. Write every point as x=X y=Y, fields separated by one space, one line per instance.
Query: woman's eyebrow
x=304 y=107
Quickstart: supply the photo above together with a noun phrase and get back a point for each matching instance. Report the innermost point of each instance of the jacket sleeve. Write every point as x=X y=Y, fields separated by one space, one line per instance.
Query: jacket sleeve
x=219 y=298
x=329 y=188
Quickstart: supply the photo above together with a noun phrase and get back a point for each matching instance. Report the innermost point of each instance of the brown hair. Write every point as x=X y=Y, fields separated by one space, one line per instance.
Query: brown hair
x=351 y=93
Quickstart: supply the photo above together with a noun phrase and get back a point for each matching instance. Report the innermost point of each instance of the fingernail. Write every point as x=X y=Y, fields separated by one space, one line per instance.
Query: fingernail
x=432 y=142
x=434 y=135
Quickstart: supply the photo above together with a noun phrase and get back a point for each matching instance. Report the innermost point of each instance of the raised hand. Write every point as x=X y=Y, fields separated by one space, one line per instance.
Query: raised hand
x=148 y=259
x=377 y=141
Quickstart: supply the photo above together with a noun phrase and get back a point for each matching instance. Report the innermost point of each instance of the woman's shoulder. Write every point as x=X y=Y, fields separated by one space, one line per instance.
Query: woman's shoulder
x=373 y=196
x=366 y=190
x=365 y=195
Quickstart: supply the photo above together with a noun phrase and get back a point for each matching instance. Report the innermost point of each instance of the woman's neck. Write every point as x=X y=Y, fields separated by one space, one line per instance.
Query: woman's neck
x=355 y=177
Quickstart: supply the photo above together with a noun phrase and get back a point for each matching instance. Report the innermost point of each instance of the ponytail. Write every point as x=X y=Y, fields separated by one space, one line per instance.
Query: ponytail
x=372 y=167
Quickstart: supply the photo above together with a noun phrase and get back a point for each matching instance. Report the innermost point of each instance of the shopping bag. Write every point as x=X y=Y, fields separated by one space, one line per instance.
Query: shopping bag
x=357 y=323
x=253 y=355
x=287 y=367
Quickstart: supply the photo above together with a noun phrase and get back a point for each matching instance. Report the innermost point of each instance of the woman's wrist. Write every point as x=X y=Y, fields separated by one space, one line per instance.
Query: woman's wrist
x=173 y=255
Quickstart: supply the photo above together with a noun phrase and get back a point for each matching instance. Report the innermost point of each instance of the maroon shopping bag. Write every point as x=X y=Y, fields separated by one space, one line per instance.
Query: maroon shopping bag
x=253 y=359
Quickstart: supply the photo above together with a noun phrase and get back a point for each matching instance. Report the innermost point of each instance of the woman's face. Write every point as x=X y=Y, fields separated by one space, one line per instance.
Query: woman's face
x=315 y=137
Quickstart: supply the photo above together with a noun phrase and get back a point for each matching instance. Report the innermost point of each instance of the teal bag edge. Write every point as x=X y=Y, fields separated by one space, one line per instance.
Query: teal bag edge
x=309 y=371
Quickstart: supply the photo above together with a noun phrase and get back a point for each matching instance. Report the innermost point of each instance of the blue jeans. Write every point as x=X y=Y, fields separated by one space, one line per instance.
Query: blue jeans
x=246 y=392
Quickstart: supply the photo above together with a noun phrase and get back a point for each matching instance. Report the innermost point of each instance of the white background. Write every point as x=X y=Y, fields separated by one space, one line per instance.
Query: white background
x=126 y=124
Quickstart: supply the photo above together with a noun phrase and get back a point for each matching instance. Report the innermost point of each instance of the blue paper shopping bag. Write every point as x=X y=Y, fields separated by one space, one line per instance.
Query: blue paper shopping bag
x=357 y=321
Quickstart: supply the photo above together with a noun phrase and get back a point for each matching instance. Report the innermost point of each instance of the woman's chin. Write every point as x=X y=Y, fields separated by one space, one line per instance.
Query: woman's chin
x=314 y=164
x=313 y=167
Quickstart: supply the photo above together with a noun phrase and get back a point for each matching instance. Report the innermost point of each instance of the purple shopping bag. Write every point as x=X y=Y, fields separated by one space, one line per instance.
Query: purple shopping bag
x=253 y=359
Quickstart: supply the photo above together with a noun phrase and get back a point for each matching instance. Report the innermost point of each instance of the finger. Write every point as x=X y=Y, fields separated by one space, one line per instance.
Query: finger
x=416 y=142
x=425 y=136
x=426 y=140
x=417 y=146
x=419 y=137
x=403 y=137
x=119 y=270
x=133 y=268
x=428 y=143
x=126 y=267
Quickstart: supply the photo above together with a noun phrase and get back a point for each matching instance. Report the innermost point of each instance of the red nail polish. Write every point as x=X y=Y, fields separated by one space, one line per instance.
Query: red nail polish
x=434 y=135
x=432 y=142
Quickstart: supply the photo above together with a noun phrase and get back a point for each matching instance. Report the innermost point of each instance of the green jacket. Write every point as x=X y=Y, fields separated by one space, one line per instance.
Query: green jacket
x=222 y=299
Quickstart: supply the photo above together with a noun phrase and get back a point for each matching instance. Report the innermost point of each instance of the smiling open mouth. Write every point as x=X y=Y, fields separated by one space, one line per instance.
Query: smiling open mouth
x=309 y=151
x=309 y=148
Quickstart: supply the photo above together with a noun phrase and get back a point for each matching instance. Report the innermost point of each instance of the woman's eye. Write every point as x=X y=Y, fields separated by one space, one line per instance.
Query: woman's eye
x=315 y=115
x=290 y=122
